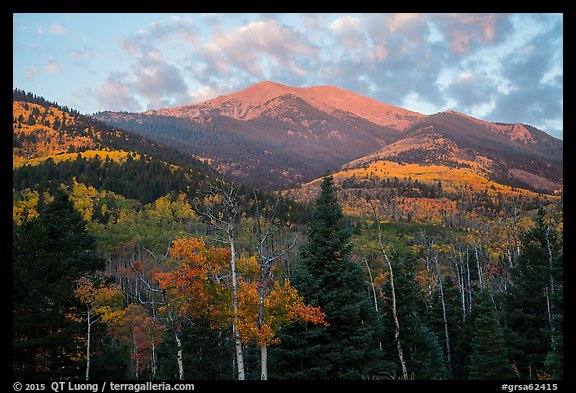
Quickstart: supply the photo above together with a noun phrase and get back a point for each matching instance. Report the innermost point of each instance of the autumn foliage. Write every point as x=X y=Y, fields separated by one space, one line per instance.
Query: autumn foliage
x=199 y=286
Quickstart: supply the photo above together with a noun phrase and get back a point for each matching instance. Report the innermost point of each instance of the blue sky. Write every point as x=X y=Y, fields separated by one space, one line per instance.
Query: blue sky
x=497 y=67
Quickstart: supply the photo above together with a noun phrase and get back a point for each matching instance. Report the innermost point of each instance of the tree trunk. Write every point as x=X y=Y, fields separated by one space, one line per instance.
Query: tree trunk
x=448 y=357
x=237 y=338
x=264 y=362
x=394 y=312
x=153 y=357
x=179 y=355
x=373 y=293
x=480 y=275
x=458 y=264
x=135 y=356
x=468 y=284
x=89 y=323
x=263 y=348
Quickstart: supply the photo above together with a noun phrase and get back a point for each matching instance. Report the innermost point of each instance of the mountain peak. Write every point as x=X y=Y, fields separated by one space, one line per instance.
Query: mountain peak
x=253 y=101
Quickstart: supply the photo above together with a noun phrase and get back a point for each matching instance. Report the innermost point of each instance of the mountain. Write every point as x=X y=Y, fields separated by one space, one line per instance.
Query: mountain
x=268 y=99
x=277 y=137
x=116 y=172
x=272 y=135
x=54 y=145
x=512 y=154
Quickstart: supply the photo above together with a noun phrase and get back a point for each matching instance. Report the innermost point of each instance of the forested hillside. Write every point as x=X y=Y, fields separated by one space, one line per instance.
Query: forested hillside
x=132 y=260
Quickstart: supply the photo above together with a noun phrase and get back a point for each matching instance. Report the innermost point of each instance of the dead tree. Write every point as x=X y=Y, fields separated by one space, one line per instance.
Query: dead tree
x=222 y=210
x=265 y=264
x=394 y=311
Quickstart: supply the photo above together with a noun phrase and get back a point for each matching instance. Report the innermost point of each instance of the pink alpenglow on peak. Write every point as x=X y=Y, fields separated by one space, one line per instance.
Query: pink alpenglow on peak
x=257 y=99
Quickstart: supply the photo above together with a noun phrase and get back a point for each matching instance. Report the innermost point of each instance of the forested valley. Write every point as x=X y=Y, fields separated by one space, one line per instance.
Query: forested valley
x=134 y=261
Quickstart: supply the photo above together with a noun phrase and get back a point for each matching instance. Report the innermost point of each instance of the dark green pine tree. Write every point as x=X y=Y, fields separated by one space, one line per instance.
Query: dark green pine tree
x=421 y=345
x=435 y=319
x=555 y=358
x=488 y=357
x=326 y=277
x=535 y=283
x=50 y=252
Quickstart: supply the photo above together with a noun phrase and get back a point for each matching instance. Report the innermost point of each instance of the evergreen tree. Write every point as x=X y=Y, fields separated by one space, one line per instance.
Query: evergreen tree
x=434 y=318
x=326 y=277
x=526 y=305
x=49 y=254
x=489 y=356
x=422 y=347
x=555 y=358
x=207 y=353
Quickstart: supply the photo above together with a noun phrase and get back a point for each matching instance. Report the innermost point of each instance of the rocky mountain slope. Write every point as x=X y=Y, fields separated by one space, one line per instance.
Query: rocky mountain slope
x=277 y=137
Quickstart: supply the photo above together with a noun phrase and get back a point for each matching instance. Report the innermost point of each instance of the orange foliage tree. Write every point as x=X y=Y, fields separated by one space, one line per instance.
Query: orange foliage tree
x=102 y=301
x=200 y=286
x=143 y=333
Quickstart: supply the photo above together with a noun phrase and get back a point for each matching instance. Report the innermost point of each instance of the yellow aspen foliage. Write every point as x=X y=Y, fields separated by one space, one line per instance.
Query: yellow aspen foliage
x=200 y=285
x=101 y=299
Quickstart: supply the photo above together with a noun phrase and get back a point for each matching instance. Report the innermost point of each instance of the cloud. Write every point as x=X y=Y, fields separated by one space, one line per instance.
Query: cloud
x=157 y=80
x=56 y=29
x=30 y=73
x=472 y=91
x=489 y=65
x=115 y=94
x=52 y=66
x=349 y=31
x=464 y=32
x=261 y=50
x=207 y=93
x=80 y=54
x=151 y=79
x=535 y=82
x=176 y=30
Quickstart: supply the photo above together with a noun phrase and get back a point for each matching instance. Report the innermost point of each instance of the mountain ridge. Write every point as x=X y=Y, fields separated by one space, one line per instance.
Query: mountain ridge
x=245 y=104
x=279 y=136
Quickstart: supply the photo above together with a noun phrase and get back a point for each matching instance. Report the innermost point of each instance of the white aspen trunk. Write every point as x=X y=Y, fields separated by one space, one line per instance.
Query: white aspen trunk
x=469 y=286
x=237 y=338
x=179 y=355
x=397 y=323
x=394 y=312
x=263 y=347
x=153 y=359
x=372 y=285
x=550 y=290
x=88 y=345
x=448 y=357
x=373 y=293
x=460 y=278
x=135 y=353
x=550 y=319
x=428 y=279
x=480 y=275
x=516 y=242
x=264 y=362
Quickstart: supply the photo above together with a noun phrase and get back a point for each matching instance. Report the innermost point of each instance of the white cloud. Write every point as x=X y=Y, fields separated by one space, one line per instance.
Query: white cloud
x=56 y=29
x=465 y=76
x=258 y=49
x=349 y=31
x=52 y=66
x=30 y=72
x=476 y=63
x=79 y=54
x=115 y=94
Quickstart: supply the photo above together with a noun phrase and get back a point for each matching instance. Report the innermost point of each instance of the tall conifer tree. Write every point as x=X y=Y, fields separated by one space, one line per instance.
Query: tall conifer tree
x=488 y=358
x=49 y=254
x=327 y=277
x=530 y=315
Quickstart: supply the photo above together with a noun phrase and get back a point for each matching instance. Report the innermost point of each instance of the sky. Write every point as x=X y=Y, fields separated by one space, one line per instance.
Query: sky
x=497 y=67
